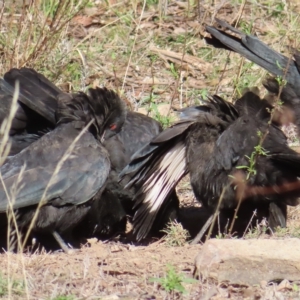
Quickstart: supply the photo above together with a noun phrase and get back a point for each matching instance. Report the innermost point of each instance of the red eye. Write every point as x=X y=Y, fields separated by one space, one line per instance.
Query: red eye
x=112 y=126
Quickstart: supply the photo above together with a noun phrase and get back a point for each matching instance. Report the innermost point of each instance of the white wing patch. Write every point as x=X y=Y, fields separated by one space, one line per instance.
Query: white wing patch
x=170 y=170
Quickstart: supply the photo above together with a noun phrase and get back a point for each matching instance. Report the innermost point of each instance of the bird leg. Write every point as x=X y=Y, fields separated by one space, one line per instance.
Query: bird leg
x=199 y=236
x=61 y=242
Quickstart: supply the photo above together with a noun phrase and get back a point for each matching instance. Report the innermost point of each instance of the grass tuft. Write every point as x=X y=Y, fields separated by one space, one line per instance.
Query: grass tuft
x=176 y=235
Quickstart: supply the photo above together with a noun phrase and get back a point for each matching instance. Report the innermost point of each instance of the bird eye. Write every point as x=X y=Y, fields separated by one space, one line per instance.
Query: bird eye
x=113 y=127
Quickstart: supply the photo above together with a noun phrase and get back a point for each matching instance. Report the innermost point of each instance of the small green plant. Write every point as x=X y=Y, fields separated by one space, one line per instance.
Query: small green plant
x=281 y=81
x=151 y=2
x=251 y=170
x=246 y=27
x=245 y=79
x=173 y=282
x=174 y=71
x=176 y=235
x=153 y=57
x=165 y=121
x=220 y=236
x=278 y=9
x=204 y=94
x=258 y=150
x=16 y=287
x=260 y=229
x=287 y=232
x=49 y=7
x=180 y=39
x=205 y=52
x=295 y=287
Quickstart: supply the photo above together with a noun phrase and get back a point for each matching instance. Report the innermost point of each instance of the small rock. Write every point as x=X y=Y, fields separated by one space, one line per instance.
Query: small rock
x=249 y=262
x=93 y=241
x=284 y=285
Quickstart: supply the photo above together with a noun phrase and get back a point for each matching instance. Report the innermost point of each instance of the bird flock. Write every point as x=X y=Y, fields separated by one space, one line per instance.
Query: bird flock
x=80 y=165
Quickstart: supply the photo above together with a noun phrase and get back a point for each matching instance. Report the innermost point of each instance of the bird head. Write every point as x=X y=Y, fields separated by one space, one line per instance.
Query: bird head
x=101 y=105
x=109 y=112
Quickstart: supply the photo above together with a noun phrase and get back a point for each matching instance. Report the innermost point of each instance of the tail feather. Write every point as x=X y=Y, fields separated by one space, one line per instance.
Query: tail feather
x=236 y=45
x=256 y=51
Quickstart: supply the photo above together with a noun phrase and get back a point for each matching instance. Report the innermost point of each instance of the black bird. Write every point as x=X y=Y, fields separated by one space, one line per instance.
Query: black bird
x=35 y=107
x=286 y=69
x=211 y=143
x=108 y=215
x=64 y=172
x=138 y=130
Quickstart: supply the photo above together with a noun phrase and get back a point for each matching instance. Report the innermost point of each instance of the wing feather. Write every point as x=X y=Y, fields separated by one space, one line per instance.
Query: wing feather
x=82 y=174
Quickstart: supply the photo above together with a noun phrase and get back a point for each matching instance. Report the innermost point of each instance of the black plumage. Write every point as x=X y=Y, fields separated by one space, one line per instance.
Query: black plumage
x=108 y=213
x=287 y=69
x=212 y=143
x=255 y=50
x=65 y=170
x=35 y=114
x=138 y=131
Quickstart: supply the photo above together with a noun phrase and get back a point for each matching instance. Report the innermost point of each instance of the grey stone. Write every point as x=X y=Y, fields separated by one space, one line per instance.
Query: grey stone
x=249 y=262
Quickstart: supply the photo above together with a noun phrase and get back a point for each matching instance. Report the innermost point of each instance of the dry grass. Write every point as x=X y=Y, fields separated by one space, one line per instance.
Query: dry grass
x=175 y=234
x=154 y=54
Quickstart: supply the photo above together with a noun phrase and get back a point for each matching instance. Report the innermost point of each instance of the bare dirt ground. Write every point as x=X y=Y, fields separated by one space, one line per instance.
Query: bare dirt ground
x=157 y=59
x=106 y=271
x=114 y=270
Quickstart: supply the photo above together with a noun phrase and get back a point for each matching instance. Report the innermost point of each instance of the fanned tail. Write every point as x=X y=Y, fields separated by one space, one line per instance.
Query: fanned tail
x=277 y=64
x=256 y=51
